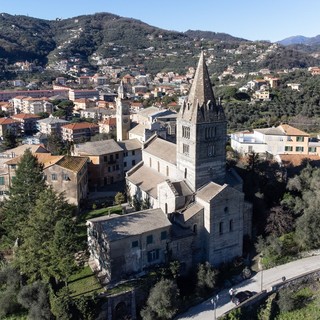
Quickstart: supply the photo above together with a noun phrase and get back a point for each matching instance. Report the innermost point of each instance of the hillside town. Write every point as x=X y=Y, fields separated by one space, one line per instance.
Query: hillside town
x=132 y=193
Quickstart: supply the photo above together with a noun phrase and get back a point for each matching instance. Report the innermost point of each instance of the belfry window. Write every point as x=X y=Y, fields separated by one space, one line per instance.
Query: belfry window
x=221 y=228
x=210 y=150
x=231 y=225
x=185 y=132
x=185 y=148
x=210 y=132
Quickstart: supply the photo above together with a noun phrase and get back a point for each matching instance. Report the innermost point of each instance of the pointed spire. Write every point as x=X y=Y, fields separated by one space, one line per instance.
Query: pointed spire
x=201 y=104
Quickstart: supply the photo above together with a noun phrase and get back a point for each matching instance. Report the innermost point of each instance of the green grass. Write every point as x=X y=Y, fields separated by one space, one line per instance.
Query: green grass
x=81 y=225
x=84 y=282
x=103 y=211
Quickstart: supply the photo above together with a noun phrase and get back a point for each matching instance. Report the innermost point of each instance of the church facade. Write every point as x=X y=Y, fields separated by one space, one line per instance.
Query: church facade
x=198 y=203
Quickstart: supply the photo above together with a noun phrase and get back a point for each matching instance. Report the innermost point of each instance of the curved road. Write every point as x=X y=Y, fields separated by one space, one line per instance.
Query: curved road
x=270 y=277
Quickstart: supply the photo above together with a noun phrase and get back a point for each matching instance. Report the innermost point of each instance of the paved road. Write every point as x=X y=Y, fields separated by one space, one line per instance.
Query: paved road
x=270 y=277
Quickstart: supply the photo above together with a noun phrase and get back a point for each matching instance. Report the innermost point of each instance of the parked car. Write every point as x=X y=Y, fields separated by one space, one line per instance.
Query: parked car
x=242 y=296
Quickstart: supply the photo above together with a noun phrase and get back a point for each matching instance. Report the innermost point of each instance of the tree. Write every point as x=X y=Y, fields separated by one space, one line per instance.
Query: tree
x=63 y=248
x=146 y=204
x=24 y=191
x=304 y=201
x=206 y=278
x=10 y=285
x=55 y=145
x=9 y=140
x=136 y=202
x=48 y=239
x=62 y=304
x=162 y=302
x=279 y=221
x=119 y=198
x=35 y=299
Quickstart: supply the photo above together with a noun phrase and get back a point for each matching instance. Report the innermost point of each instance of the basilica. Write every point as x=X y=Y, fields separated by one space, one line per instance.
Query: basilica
x=196 y=208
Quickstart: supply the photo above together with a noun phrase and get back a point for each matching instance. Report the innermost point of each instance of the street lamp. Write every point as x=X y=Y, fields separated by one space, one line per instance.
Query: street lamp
x=214 y=301
x=261 y=279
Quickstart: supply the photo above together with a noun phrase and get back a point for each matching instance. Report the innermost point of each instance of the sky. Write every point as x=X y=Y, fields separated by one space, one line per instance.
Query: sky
x=249 y=19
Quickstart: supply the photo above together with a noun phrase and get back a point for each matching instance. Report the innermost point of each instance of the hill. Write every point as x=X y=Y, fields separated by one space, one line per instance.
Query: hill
x=300 y=40
x=209 y=35
x=104 y=38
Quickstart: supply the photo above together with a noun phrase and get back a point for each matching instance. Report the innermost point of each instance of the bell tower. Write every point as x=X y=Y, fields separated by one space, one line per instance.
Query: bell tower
x=123 y=114
x=201 y=133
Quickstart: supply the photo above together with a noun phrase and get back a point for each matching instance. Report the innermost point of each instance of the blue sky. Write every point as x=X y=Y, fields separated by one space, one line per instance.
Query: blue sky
x=250 y=19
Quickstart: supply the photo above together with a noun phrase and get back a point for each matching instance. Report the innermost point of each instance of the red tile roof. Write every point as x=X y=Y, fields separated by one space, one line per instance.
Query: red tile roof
x=25 y=116
x=7 y=121
x=297 y=159
x=80 y=125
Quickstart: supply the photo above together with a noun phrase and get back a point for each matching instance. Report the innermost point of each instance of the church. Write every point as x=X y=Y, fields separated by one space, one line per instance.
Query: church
x=196 y=208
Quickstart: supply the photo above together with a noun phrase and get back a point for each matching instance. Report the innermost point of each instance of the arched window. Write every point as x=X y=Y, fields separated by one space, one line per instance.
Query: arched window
x=231 y=225
x=186 y=132
x=210 y=150
x=195 y=229
x=221 y=228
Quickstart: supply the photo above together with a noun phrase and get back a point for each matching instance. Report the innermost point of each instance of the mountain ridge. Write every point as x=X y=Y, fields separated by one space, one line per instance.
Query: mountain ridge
x=299 y=39
x=127 y=41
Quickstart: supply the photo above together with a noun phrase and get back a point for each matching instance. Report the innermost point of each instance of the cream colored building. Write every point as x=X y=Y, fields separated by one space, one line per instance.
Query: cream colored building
x=67 y=175
x=283 y=139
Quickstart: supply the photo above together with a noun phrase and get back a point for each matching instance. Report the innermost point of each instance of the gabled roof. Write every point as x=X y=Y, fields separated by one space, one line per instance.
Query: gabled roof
x=282 y=130
x=210 y=190
x=146 y=178
x=109 y=121
x=291 y=131
x=162 y=149
x=25 y=116
x=271 y=131
x=19 y=151
x=138 y=130
x=45 y=158
x=137 y=223
x=72 y=163
x=80 y=125
x=7 y=121
x=192 y=210
x=131 y=144
x=97 y=148
x=146 y=112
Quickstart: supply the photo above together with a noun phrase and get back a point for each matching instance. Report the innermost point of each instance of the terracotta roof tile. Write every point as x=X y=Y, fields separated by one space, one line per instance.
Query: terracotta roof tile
x=296 y=159
x=291 y=131
x=73 y=163
x=80 y=125
x=25 y=116
x=7 y=121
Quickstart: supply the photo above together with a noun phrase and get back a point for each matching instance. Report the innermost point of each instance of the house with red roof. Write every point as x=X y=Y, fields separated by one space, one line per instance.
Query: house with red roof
x=9 y=125
x=28 y=122
x=79 y=131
